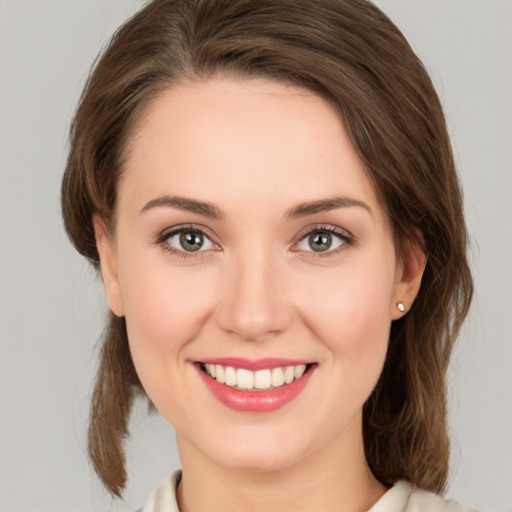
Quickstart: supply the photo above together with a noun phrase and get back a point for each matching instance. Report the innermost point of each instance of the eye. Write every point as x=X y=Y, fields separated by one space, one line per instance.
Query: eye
x=188 y=240
x=322 y=240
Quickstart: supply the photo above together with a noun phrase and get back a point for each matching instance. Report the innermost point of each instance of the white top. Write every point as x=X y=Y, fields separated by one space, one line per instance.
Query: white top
x=402 y=497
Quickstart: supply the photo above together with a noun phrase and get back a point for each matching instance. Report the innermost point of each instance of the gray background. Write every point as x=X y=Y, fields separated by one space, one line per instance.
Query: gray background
x=52 y=307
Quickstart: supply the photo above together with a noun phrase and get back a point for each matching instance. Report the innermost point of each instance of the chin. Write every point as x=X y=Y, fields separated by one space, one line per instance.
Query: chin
x=259 y=462
x=272 y=452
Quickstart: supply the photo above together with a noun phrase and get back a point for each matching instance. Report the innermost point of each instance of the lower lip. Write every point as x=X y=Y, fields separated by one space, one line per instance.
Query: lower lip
x=256 y=401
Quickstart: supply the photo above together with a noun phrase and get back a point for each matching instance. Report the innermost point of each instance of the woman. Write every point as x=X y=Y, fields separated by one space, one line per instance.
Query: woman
x=269 y=192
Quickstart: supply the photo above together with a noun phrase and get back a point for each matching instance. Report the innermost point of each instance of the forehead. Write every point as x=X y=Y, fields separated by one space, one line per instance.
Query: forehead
x=259 y=139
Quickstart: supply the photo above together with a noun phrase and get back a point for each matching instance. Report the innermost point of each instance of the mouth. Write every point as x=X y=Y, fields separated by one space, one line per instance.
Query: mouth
x=262 y=386
x=244 y=379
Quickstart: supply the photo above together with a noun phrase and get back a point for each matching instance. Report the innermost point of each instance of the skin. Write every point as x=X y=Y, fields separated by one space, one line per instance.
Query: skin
x=255 y=150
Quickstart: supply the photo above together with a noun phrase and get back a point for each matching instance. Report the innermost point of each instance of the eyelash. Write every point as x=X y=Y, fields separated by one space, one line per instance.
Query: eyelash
x=346 y=238
x=161 y=240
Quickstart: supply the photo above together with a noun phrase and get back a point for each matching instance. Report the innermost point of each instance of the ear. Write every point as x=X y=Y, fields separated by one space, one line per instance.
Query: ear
x=108 y=266
x=409 y=271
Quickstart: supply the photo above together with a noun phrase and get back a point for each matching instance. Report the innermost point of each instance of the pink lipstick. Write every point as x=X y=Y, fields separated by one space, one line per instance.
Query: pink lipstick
x=256 y=386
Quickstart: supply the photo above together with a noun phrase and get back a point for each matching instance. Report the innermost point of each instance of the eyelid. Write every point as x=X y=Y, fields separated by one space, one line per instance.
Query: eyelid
x=168 y=232
x=347 y=237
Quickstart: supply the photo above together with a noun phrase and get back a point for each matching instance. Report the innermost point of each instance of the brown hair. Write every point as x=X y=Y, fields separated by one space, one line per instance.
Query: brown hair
x=351 y=54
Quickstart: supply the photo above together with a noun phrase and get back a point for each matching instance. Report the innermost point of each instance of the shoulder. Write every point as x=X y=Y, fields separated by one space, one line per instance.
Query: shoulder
x=403 y=497
x=163 y=498
x=424 y=501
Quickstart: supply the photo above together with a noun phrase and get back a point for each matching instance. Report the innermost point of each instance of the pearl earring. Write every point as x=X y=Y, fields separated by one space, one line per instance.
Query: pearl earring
x=401 y=306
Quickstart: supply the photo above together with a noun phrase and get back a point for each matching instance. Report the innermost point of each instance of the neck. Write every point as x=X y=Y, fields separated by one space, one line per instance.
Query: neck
x=335 y=479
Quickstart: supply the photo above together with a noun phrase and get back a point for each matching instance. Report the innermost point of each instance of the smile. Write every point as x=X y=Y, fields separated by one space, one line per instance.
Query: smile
x=261 y=386
x=243 y=379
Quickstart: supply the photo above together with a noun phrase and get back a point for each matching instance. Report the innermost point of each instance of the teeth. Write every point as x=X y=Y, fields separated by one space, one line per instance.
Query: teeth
x=277 y=377
x=289 y=374
x=258 y=380
x=219 y=374
x=262 y=379
x=299 y=370
x=244 y=379
x=211 y=369
x=230 y=376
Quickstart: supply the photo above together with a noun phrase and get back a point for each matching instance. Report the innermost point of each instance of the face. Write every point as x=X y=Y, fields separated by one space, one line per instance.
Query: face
x=250 y=247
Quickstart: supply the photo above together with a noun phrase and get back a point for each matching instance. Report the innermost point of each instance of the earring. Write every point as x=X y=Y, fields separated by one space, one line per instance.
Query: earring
x=401 y=306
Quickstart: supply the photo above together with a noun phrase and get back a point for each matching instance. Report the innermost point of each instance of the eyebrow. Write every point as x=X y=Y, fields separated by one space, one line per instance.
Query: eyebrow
x=212 y=211
x=187 y=204
x=325 y=205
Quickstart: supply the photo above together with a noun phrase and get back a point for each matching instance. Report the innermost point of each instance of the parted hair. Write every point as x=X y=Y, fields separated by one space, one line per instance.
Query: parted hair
x=349 y=53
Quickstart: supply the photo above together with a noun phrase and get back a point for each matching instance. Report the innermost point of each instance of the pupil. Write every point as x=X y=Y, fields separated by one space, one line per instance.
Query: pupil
x=320 y=242
x=191 y=241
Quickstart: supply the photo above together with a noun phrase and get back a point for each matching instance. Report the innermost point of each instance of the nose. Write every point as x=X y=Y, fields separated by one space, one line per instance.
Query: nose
x=253 y=301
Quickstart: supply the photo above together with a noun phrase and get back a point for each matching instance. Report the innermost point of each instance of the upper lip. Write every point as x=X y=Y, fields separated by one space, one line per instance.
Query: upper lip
x=254 y=364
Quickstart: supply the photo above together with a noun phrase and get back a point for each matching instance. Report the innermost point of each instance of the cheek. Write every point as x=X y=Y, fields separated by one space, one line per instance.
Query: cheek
x=351 y=316
x=165 y=309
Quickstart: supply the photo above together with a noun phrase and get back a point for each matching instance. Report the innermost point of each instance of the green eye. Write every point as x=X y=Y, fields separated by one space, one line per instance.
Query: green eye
x=191 y=241
x=322 y=240
x=188 y=240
